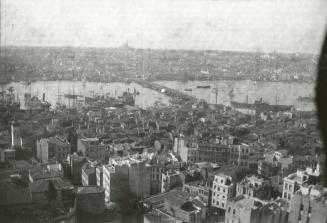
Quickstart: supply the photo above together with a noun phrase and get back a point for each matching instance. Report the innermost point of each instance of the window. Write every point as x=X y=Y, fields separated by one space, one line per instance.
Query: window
x=233 y=211
x=229 y=210
x=285 y=185
x=223 y=190
x=222 y=204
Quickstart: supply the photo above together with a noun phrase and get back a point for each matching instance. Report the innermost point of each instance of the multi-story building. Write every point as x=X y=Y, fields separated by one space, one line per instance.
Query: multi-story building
x=76 y=162
x=239 y=155
x=99 y=176
x=223 y=189
x=139 y=179
x=92 y=148
x=250 y=210
x=90 y=199
x=126 y=178
x=307 y=209
x=156 y=171
x=171 y=179
x=279 y=154
x=268 y=169
x=200 y=189
x=115 y=182
x=54 y=148
x=189 y=154
x=187 y=151
x=293 y=182
x=88 y=175
x=251 y=186
x=214 y=153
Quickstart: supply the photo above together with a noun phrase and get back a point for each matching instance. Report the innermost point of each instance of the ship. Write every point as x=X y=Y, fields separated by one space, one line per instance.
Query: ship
x=126 y=99
x=261 y=106
x=305 y=99
x=188 y=89
x=104 y=101
x=203 y=86
x=35 y=104
x=72 y=96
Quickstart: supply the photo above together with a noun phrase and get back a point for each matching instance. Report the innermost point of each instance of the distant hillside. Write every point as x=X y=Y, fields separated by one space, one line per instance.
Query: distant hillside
x=28 y=63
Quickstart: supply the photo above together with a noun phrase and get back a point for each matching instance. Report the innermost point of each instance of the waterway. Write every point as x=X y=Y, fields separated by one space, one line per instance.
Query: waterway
x=55 y=91
x=284 y=93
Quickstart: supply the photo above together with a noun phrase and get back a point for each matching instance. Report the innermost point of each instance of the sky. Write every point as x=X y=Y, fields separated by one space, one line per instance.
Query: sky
x=291 y=26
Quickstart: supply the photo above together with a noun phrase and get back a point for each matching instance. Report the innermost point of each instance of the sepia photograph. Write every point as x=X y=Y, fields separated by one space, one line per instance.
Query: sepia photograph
x=163 y=111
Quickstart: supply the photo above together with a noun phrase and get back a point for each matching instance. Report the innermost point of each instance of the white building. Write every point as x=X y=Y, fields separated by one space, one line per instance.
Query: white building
x=222 y=191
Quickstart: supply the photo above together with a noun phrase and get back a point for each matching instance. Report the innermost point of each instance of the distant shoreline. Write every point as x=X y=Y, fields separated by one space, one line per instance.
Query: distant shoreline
x=128 y=81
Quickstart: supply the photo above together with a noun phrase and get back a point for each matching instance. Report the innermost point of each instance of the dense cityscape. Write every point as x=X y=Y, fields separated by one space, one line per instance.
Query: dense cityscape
x=92 y=64
x=101 y=158
x=166 y=111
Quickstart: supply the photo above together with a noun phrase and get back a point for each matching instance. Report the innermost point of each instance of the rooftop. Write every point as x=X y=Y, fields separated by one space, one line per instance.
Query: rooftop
x=15 y=196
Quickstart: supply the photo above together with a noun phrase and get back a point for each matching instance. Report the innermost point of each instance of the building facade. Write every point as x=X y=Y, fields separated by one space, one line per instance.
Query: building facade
x=92 y=148
x=306 y=209
x=223 y=189
x=54 y=148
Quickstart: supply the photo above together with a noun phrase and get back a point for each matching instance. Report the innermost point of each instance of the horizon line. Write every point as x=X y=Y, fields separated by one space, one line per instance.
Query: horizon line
x=161 y=49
